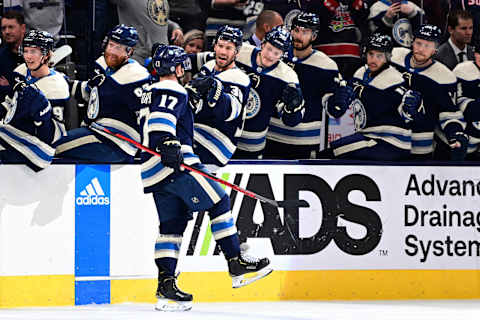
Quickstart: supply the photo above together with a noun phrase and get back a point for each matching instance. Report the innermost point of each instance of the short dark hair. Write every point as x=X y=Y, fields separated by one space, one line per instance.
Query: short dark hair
x=455 y=15
x=266 y=17
x=14 y=14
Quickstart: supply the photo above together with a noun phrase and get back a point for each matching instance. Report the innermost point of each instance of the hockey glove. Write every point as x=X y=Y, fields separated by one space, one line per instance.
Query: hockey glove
x=214 y=93
x=341 y=99
x=202 y=84
x=31 y=98
x=411 y=106
x=458 y=144
x=195 y=101
x=170 y=150
x=96 y=81
x=292 y=98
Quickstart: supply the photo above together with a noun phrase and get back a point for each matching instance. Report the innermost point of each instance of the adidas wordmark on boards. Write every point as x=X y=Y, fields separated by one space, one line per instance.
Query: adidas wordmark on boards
x=93 y=194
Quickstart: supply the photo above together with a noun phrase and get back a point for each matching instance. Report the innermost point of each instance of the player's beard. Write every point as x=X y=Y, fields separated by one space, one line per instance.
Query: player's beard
x=303 y=46
x=114 y=61
x=224 y=63
x=420 y=59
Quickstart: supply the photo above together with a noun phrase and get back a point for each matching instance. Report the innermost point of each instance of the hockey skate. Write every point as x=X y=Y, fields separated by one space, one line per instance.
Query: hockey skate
x=245 y=269
x=170 y=298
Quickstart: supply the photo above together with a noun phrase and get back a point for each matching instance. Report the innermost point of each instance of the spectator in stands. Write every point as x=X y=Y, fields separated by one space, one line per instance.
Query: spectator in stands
x=457 y=48
x=344 y=24
x=150 y=19
x=194 y=41
x=436 y=11
x=41 y=15
x=397 y=18
x=188 y=14
x=13 y=31
x=231 y=12
x=266 y=21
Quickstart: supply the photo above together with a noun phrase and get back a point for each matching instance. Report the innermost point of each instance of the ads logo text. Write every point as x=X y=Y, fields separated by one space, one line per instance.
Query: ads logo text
x=92 y=195
x=284 y=233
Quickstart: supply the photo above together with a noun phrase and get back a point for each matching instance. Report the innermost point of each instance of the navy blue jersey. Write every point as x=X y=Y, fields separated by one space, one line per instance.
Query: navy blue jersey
x=55 y=88
x=438 y=86
x=217 y=129
x=165 y=112
x=29 y=129
x=468 y=92
x=266 y=87
x=376 y=107
x=114 y=103
x=313 y=70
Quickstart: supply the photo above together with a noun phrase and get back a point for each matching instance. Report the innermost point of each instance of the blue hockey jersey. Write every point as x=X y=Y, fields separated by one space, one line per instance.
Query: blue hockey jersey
x=55 y=88
x=115 y=102
x=29 y=129
x=468 y=92
x=217 y=129
x=266 y=87
x=438 y=86
x=313 y=70
x=165 y=112
x=377 y=106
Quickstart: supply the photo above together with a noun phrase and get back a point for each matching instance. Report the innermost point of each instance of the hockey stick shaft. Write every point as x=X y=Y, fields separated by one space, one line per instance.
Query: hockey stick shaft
x=251 y=194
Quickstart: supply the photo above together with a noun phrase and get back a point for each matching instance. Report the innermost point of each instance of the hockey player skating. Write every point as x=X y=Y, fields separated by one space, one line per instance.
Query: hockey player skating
x=113 y=96
x=313 y=68
x=468 y=75
x=383 y=109
x=219 y=95
x=28 y=125
x=437 y=85
x=167 y=125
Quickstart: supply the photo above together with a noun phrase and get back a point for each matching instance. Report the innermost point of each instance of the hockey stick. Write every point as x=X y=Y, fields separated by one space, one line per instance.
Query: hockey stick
x=60 y=53
x=278 y=204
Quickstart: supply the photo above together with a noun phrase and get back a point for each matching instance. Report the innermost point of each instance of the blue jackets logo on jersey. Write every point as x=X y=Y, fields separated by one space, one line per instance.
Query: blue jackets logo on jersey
x=253 y=104
x=93 y=104
x=92 y=194
x=360 y=115
x=402 y=32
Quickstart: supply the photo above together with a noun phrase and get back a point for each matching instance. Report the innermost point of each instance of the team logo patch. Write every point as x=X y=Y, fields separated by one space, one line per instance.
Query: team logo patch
x=402 y=32
x=158 y=11
x=93 y=104
x=253 y=104
x=289 y=18
x=359 y=114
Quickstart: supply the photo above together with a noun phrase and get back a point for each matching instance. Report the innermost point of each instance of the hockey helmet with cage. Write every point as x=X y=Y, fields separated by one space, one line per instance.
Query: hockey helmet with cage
x=428 y=32
x=306 y=20
x=167 y=58
x=279 y=37
x=38 y=39
x=231 y=34
x=123 y=34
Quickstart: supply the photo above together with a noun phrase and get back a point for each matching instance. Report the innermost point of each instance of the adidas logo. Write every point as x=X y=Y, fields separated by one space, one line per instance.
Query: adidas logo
x=93 y=195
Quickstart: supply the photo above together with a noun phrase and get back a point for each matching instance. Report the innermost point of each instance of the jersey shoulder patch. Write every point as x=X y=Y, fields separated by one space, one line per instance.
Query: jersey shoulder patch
x=130 y=73
x=467 y=71
x=245 y=54
x=321 y=60
x=440 y=73
x=21 y=69
x=54 y=87
x=387 y=78
x=399 y=54
x=234 y=76
x=168 y=85
x=284 y=72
